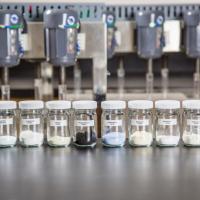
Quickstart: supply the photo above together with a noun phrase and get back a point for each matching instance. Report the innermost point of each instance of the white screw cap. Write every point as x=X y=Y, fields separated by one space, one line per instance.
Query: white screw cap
x=84 y=104
x=32 y=104
x=8 y=105
x=115 y=104
x=140 y=104
x=56 y=105
x=167 y=104
x=191 y=104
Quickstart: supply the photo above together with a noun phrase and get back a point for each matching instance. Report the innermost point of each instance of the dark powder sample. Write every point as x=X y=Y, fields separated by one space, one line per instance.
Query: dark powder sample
x=85 y=138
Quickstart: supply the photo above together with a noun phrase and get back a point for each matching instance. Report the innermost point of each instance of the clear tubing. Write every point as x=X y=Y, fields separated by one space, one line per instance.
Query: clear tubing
x=149 y=79
x=77 y=80
x=5 y=87
x=196 y=80
x=120 y=78
x=62 y=88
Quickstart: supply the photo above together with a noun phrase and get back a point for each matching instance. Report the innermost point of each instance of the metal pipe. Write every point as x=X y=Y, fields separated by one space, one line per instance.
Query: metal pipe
x=5 y=75
x=62 y=75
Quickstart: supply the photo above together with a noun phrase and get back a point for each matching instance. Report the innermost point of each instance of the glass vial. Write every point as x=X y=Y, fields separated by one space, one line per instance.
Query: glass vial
x=58 y=133
x=31 y=123
x=140 y=123
x=167 y=122
x=191 y=122
x=113 y=123
x=8 y=132
x=85 y=134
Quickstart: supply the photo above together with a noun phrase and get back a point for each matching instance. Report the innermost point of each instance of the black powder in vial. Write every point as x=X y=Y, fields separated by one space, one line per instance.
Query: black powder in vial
x=86 y=138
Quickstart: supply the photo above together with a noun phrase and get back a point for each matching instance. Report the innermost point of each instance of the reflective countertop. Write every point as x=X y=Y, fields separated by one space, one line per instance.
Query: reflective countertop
x=102 y=173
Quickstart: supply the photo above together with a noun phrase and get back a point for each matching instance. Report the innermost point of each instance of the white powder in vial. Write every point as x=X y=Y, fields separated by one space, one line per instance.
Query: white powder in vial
x=191 y=139
x=141 y=138
x=59 y=141
x=31 y=138
x=7 y=140
x=167 y=140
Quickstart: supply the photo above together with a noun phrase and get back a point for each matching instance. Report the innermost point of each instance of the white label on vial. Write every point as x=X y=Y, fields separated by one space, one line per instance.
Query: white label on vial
x=193 y=122
x=139 y=122
x=113 y=122
x=29 y=122
x=167 y=122
x=58 y=123
x=6 y=121
x=84 y=122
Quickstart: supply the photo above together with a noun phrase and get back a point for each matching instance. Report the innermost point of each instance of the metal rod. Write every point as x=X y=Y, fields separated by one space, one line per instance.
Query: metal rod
x=62 y=75
x=165 y=77
x=198 y=65
x=77 y=80
x=120 y=77
x=150 y=66
x=62 y=88
x=5 y=75
x=196 y=80
x=149 y=79
x=5 y=87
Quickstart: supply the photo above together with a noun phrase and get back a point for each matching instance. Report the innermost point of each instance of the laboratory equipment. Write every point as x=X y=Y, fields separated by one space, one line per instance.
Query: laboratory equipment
x=191 y=122
x=150 y=41
x=31 y=131
x=61 y=27
x=8 y=130
x=113 y=123
x=11 y=26
x=85 y=123
x=140 y=122
x=167 y=122
x=58 y=131
x=192 y=47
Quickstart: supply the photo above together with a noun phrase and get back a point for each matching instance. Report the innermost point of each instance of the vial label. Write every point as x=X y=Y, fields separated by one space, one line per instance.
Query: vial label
x=29 y=122
x=113 y=122
x=6 y=121
x=193 y=122
x=140 y=122
x=84 y=122
x=58 y=122
x=167 y=122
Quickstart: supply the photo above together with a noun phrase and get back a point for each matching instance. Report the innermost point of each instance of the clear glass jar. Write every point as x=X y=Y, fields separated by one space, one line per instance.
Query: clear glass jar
x=58 y=133
x=31 y=123
x=167 y=122
x=113 y=123
x=140 y=123
x=8 y=132
x=191 y=122
x=85 y=134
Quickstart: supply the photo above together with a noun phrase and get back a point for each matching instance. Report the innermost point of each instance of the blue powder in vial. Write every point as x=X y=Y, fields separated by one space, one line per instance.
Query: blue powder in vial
x=114 y=139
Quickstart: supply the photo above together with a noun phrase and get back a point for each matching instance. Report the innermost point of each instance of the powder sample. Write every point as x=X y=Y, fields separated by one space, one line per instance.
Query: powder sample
x=6 y=141
x=141 y=138
x=85 y=139
x=191 y=139
x=114 y=139
x=165 y=140
x=31 y=138
x=59 y=141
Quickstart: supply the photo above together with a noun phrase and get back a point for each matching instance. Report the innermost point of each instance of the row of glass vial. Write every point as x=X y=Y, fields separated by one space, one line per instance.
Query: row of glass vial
x=141 y=121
